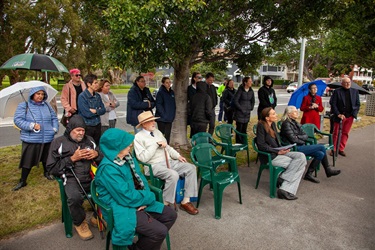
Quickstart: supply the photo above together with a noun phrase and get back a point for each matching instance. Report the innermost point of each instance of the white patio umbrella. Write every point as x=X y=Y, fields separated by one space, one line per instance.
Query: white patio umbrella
x=11 y=96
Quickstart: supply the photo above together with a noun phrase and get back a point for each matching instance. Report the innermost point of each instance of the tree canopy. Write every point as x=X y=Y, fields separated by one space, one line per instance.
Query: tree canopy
x=61 y=29
x=182 y=33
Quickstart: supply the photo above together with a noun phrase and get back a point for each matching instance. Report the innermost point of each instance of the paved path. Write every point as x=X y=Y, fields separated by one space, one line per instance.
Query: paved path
x=338 y=213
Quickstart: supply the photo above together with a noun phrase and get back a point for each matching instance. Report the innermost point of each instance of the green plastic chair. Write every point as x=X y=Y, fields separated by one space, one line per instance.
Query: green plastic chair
x=202 y=155
x=204 y=137
x=110 y=220
x=154 y=181
x=311 y=130
x=66 y=218
x=225 y=133
x=274 y=170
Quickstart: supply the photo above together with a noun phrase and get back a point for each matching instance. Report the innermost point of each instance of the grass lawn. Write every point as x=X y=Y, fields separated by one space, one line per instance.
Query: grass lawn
x=39 y=202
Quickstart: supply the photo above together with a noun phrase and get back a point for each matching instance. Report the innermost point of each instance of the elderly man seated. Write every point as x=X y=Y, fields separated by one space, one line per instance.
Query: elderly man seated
x=167 y=164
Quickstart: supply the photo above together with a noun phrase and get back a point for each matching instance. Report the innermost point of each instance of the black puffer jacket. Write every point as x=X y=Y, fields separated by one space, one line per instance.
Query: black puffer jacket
x=292 y=132
x=63 y=147
x=244 y=103
x=201 y=105
x=266 y=142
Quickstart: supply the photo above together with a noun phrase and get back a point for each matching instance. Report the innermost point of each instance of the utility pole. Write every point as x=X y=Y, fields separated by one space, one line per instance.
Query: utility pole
x=301 y=61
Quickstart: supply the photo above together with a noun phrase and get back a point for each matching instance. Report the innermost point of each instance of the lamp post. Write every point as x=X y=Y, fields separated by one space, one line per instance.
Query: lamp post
x=301 y=61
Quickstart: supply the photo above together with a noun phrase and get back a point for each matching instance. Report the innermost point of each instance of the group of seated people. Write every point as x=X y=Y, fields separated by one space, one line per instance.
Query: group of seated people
x=119 y=181
x=122 y=186
x=294 y=162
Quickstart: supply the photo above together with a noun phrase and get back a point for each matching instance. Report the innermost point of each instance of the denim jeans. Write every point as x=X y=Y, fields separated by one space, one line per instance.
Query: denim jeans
x=318 y=151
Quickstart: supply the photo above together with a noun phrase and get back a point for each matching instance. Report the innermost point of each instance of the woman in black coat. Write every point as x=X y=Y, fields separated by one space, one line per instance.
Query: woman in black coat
x=165 y=108
x=266 y=95
x=244 y=101
x=227 y=98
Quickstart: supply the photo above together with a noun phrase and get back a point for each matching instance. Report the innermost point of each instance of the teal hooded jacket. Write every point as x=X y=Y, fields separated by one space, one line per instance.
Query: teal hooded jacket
x=115 y=187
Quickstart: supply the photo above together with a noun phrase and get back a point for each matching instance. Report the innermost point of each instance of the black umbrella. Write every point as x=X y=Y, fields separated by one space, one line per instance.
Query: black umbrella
x=361 y=90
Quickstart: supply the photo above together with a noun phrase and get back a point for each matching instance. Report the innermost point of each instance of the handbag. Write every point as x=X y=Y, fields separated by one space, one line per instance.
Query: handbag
x=65 y=119
x=180 y=191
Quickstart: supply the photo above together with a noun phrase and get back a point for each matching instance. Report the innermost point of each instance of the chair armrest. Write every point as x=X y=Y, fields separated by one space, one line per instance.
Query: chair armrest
x=158 y=193
x=330 y=140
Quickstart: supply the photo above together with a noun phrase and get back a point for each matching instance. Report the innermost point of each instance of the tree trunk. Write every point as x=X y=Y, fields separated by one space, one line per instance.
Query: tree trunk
x=180 y=84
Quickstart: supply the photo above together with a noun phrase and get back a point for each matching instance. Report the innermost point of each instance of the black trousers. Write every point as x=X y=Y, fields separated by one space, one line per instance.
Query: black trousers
x=229 y=113
x=211 y=125
x=197 y=127
x=165 y=128
x=76 y=198
x=152 y=228
x=95 y=132
x=241 y=127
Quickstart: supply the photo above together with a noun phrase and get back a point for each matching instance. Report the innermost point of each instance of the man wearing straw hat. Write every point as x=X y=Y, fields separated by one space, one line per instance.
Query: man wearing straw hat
x=167 y=164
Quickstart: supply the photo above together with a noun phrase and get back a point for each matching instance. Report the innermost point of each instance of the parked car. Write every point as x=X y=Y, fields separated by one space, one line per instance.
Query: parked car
x=328 y=91
x=155 y=92
x=292 y=87
x=368 y=87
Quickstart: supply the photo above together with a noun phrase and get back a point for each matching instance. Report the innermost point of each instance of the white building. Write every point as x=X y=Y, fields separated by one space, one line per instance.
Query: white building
x=362 y=74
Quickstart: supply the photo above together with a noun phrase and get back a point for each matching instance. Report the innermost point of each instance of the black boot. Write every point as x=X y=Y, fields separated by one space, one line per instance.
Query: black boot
x=329 y=170
x=20 y=185
x=309 y=174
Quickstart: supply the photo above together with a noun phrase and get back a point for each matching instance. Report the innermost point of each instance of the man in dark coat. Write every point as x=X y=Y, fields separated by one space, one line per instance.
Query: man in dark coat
x=266 y=95
x=344 y=106
x=201 y=109
x=211 y=91
x=139 y=100
x=74 y=150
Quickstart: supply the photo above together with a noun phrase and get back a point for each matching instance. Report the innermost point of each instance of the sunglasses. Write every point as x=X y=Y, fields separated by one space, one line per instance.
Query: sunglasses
x=199 y=77
x=78 y=75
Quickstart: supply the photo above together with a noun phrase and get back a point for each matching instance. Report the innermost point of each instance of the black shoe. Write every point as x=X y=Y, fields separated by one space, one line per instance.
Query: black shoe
x=332 y=172
x=310 y=177
x=20 y=185
x=48 y=177
x=279 y=182
x=282 y=194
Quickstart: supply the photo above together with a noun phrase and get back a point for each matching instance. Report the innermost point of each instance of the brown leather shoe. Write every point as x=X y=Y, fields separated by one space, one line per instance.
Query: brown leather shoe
x=342 y=153
x=189 y=208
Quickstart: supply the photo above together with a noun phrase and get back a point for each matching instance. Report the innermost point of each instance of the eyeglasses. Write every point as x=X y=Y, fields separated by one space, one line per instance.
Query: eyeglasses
x=199 y=77
x=78 y=75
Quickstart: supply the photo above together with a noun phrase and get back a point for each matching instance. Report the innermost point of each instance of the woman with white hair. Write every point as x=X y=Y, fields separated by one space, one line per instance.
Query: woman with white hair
x=292 y=132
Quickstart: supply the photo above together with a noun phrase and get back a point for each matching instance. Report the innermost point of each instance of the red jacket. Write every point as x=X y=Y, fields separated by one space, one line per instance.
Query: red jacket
x=311 y=115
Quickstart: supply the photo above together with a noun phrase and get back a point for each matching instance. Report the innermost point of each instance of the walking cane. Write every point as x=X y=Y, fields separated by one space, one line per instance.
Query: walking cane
x=338 y=139
x=87 y=197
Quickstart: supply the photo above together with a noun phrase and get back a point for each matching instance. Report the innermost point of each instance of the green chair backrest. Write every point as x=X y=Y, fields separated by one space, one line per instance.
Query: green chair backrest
x=310 y=129
x=201 y=137
x=225 y=133
x=202 y=156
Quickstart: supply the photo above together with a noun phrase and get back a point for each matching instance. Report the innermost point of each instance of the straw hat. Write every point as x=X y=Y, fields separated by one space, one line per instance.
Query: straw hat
x=146 y=116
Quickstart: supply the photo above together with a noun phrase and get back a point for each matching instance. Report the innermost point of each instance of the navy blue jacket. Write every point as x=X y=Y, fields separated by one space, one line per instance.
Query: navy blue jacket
x=338 y=104
x=136 y=105
x=165 y=105
x=86 y=101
